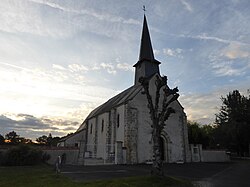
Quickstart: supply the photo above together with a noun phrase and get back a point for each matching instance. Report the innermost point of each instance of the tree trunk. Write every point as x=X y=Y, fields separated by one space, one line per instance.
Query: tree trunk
x=157 y=167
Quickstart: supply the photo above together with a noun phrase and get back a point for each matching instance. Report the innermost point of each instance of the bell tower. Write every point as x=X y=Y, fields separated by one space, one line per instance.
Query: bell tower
x=147 y=65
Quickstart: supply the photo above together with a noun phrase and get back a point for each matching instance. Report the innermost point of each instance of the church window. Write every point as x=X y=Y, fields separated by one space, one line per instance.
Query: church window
x=91 y=128
x=118 y=120
x=102 y=125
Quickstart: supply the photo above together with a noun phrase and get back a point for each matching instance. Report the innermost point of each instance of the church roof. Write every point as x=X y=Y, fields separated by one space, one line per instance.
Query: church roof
x=117 y=100
x=146 y=50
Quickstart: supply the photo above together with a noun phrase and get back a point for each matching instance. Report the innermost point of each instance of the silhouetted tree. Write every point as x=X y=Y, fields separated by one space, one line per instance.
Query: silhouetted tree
x=48 y=140
x=159 y=115
x=23 y=140
x=13 y=137
x=201 y=134
x=210 y=136
x=42 y=140
x=233 y=122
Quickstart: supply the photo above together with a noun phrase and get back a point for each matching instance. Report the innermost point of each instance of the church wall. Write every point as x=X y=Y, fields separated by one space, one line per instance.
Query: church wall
x=98 y=143
x=120 y=123
x=175 y=132
x=91 y=136
x=101 y=127
x=130 y=153
x=144 y=148
x=112 y=130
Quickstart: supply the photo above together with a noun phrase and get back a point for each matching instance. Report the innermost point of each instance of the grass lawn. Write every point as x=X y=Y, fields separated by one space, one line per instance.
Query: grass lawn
x=44 y=176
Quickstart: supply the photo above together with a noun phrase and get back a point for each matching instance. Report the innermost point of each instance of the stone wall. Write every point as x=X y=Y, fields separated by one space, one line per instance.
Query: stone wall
x=199 y=155
x=71 y=155
x=131 y=135
x=214 y=156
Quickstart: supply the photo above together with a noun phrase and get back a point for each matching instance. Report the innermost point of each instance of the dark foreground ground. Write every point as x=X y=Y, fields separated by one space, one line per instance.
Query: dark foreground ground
x=233 y=174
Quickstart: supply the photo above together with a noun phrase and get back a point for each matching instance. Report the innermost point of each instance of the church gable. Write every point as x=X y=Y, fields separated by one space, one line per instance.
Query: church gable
x=142 y=141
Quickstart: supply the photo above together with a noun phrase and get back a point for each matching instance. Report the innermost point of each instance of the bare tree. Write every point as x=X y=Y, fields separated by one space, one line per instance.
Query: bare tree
x=159 y=116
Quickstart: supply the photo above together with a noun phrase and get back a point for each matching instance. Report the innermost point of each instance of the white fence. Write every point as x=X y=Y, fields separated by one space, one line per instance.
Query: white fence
x=214 y=156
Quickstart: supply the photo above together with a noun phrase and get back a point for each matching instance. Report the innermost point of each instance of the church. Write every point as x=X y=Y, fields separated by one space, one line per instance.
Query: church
x=119 y=131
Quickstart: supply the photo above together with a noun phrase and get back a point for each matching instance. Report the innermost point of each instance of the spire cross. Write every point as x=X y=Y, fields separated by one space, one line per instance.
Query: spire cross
x=144 y=9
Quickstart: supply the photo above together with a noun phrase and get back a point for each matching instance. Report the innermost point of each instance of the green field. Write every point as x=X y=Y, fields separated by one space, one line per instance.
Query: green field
x=44 y=176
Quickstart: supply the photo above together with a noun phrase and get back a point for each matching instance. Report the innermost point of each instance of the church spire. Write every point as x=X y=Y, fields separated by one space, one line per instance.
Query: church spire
x=146 y=50
x=147 y=65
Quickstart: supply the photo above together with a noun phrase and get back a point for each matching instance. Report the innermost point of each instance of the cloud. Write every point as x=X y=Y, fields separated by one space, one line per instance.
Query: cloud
x=54 y=92
x=23 y=17
x=204 y=36
x=61 y=20
x=89 y=12
x=59 y=67
x=125 y=67
x=77 y=68
x=173 y=52
x=113 y=68
x=235 y=50
x=232 y=60
x=225 y=68
x=187 y=5
x=15 y=66
x=30 y=126
x=109 y=67
x=200 y=106
x=156 y=52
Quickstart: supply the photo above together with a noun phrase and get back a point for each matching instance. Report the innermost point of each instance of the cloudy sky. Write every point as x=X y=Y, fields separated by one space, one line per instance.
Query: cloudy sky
x=59 y=59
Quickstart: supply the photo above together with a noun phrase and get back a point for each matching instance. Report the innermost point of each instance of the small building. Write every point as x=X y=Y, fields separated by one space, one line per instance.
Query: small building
x=119 y=131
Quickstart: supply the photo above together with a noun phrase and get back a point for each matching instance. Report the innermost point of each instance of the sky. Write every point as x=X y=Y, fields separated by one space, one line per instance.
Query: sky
x=60 y=59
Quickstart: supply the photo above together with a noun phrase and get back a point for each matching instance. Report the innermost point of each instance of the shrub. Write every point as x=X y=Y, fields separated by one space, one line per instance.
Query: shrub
x=23 y=155
x=2 y=158
x=45 y=157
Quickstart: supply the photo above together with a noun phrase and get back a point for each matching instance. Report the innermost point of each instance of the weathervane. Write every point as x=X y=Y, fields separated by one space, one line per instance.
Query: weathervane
x=144 y=9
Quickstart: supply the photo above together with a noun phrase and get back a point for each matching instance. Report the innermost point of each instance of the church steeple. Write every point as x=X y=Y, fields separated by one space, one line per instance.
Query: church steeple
x=146 y=50
x=147 y=65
